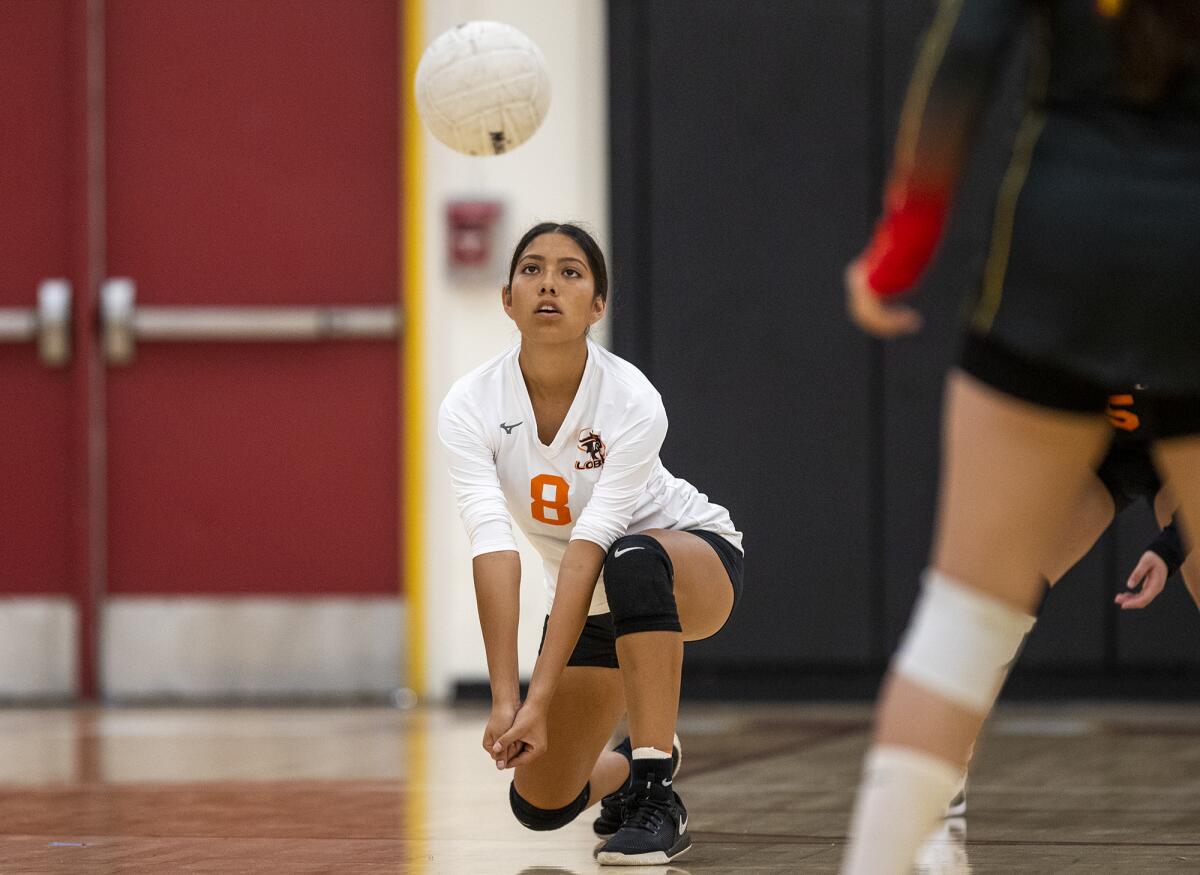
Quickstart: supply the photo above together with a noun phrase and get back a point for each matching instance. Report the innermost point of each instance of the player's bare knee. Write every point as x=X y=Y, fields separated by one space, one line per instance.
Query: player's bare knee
x=546 y=819
x=639 y=581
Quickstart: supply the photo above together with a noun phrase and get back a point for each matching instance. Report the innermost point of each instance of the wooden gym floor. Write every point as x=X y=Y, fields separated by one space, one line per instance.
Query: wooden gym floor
x=1056 y=788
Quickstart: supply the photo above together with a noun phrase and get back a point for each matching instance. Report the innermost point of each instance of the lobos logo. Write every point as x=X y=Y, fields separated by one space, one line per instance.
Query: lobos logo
x=590 y=443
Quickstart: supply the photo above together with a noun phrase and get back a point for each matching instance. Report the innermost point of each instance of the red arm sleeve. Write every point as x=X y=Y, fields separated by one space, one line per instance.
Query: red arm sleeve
x=955 y=71
x=905 y=239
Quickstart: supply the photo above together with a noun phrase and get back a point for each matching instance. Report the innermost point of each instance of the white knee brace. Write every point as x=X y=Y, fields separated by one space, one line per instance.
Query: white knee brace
x=960 y=643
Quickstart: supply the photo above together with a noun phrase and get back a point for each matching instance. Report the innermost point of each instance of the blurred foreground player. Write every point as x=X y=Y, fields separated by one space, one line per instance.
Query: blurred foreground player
x=563 y=437
x=1126 y=475
x=1091 y=282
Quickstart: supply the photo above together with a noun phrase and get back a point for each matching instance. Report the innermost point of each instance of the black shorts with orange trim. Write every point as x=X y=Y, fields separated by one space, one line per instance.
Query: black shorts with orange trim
x=1128 y=473
x=1048 y=385
x=597 y=644
x=1093 y=263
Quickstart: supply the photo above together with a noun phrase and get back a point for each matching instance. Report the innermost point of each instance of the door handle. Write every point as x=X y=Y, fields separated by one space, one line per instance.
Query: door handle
x=49 y=324
x=124 y=323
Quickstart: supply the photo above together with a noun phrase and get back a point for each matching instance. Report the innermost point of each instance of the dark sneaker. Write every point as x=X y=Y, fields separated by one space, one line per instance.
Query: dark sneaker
x=654 y=831
x=612 y=806
x=612 y=812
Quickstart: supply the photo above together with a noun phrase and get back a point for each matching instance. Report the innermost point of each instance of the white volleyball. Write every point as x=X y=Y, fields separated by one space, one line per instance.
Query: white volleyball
x=482 y=88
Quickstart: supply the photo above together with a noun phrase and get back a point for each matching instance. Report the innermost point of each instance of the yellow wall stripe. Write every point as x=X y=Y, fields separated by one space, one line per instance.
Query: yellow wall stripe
x=410 y=21
x=411 y=41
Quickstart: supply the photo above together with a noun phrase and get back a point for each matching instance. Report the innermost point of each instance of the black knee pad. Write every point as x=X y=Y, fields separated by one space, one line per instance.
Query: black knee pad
x=545 y=819
x=640 y=583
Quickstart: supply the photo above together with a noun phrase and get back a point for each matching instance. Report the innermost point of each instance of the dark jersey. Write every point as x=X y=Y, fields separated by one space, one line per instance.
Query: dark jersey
x=1092 y=264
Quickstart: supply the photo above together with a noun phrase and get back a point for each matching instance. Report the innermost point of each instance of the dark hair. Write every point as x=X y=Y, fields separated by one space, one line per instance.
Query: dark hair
x=1159 y=40
x=591 y=250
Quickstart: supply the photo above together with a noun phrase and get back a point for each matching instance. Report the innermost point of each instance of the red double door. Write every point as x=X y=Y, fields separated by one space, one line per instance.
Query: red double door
x=217 y=155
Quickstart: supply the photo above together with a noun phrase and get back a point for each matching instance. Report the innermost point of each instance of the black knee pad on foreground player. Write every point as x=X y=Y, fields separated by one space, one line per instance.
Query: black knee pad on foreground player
x=640 y=583
x=546 y=819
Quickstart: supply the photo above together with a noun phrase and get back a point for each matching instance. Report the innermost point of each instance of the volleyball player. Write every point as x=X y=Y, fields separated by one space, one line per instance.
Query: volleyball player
x=1090 y=283
x=563 y=437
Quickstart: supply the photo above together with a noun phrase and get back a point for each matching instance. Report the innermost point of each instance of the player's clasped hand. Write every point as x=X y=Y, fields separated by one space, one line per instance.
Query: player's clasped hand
x=872 y=313
x=499 y=721
x=525 y=740
x=1151 y=574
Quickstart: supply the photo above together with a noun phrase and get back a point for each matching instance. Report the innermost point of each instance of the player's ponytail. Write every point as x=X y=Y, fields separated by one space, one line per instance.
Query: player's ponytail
x=1160 y=39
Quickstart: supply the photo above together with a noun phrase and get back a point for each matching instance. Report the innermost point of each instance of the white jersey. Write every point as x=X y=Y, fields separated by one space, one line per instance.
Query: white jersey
x=600 y=478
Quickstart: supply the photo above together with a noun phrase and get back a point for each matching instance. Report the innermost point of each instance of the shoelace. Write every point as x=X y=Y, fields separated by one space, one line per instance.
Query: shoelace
x=620 y=801
x=649 y=813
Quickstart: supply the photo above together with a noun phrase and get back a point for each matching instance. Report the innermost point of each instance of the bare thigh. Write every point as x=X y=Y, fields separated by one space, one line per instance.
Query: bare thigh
x=585 y=709
x=1190 y=571
x=1092 y=513
x=1011 y=475
x=703 y=591
x=1165 y=504
x=1179 y=462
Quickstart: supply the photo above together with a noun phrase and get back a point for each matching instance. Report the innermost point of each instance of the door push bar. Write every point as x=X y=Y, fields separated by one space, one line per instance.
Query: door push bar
x=49 y=324
x=124 y=323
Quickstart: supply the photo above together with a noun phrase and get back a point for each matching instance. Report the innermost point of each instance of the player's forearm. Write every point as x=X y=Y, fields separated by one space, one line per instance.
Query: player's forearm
x=577 y=576
x=498 y=596
x=939 y=124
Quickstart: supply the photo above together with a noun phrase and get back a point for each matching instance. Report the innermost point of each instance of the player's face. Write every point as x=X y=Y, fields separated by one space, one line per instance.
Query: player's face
x=553 y=293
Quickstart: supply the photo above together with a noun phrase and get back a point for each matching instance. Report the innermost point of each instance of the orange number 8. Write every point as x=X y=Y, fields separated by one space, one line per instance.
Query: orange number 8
x=557 y=504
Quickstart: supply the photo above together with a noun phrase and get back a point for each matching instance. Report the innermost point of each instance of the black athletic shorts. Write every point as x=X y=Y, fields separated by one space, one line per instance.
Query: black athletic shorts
x=597 y=645
x=1128 y=473
x=1041 y=383
x=1097 y=254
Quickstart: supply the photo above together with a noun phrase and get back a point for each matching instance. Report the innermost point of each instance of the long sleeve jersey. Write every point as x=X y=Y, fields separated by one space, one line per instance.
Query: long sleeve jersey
x=598 y=479
x=1075 y=88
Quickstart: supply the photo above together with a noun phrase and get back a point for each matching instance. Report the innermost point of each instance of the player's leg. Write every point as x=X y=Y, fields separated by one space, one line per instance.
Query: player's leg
x=612 y=811
x=1011 y=472
x=575 y=771
x=1179 y=460
x=1165 y=506
x=1092 y=514
x=1190 y=572
x=693 y=593
x=663 y=587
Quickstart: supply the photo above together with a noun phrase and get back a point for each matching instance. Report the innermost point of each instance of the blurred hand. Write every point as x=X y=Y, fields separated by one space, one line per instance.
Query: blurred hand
x=499 y=722
x=871 y=313
x=525 y=740
x=1151 y=575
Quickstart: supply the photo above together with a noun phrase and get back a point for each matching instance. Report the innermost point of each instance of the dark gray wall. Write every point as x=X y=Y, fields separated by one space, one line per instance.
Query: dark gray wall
x=749 y=143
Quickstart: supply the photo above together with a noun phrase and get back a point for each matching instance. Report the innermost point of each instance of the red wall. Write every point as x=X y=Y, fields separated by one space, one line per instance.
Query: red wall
x=35 y=228
x=250 y=158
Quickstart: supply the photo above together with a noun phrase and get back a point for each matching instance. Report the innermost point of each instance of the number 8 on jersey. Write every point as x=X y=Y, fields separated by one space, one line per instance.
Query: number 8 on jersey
x=550 y=495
